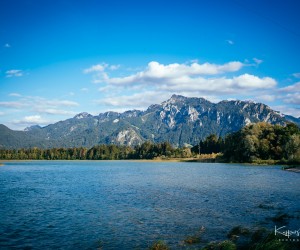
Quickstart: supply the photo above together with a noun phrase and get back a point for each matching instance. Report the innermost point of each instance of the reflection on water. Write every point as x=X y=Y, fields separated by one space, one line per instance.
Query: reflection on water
x=129 y=205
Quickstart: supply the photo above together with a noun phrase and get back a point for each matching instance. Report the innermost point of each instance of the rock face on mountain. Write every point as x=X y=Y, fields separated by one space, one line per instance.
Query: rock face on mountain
x=179 y=120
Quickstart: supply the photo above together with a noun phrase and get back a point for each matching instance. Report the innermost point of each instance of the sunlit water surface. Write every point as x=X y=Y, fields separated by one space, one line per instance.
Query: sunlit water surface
x=130 y=205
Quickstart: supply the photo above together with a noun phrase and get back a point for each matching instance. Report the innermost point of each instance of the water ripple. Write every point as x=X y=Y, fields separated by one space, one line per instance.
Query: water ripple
x=129 y=205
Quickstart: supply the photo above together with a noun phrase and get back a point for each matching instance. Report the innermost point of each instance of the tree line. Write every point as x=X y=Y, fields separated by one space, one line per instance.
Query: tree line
x=255 y=142
x=147 y=150
x=263 y=141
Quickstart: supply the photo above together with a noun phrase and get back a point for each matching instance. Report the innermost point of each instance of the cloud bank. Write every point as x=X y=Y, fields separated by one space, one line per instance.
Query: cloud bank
x=205 y=77
x=34 y=109
x=14 y=73
x=157 y=82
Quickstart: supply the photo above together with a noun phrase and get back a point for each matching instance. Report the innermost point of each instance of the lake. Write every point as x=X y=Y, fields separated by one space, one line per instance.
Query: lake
x=130 y=205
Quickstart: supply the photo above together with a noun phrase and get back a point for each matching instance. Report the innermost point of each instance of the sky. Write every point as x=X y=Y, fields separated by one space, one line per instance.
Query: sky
x=62 y=57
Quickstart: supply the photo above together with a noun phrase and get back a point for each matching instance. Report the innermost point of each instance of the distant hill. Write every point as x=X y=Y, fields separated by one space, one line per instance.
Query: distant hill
x=179 y=120
x=293 y=119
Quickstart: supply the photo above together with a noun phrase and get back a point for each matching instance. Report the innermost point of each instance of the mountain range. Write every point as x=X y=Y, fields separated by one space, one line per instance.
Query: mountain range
x=180 y=120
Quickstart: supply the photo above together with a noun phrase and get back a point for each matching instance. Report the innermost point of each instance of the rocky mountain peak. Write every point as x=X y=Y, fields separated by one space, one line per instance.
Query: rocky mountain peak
x=174 y=100
x=178 y=98
x=32 y=128
x=82 y=115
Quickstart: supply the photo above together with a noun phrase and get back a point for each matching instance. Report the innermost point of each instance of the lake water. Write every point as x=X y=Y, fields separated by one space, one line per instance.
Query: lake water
x=130 y=205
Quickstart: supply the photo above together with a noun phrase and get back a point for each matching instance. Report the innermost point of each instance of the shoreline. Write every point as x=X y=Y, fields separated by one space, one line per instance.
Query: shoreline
x=131 y=160
x=157 y=159
x=204 y=158
x=292 y=168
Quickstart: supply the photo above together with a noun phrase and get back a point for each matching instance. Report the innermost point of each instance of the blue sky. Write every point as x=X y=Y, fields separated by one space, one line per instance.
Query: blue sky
x=62 y=57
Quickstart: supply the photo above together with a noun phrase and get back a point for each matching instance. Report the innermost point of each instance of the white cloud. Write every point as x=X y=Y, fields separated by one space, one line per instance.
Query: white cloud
x=290 y=94
x=266 y=98
x=291 y=88
x=34 y=119
x=213 y=86
x=14 y=105
x=7 y=45
x=156 y=72
x=157 y=82
x=257 y=61
x=293 y=98
x=31 y=120
x=99 y=72
x=193 y=77
x=41 y=105
x=230 y=42
x=100 y=68
x=100 y=77
x=57 y=103
x=137 y=100
x=14 y=73
x=52 y=111
x=114 y=67
x=96 y=68
x=85 y=90
x=108 y=88
x=287 y=110
x=296 y=75
x=250 y=81
x=15 y=94
x=42 y=109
